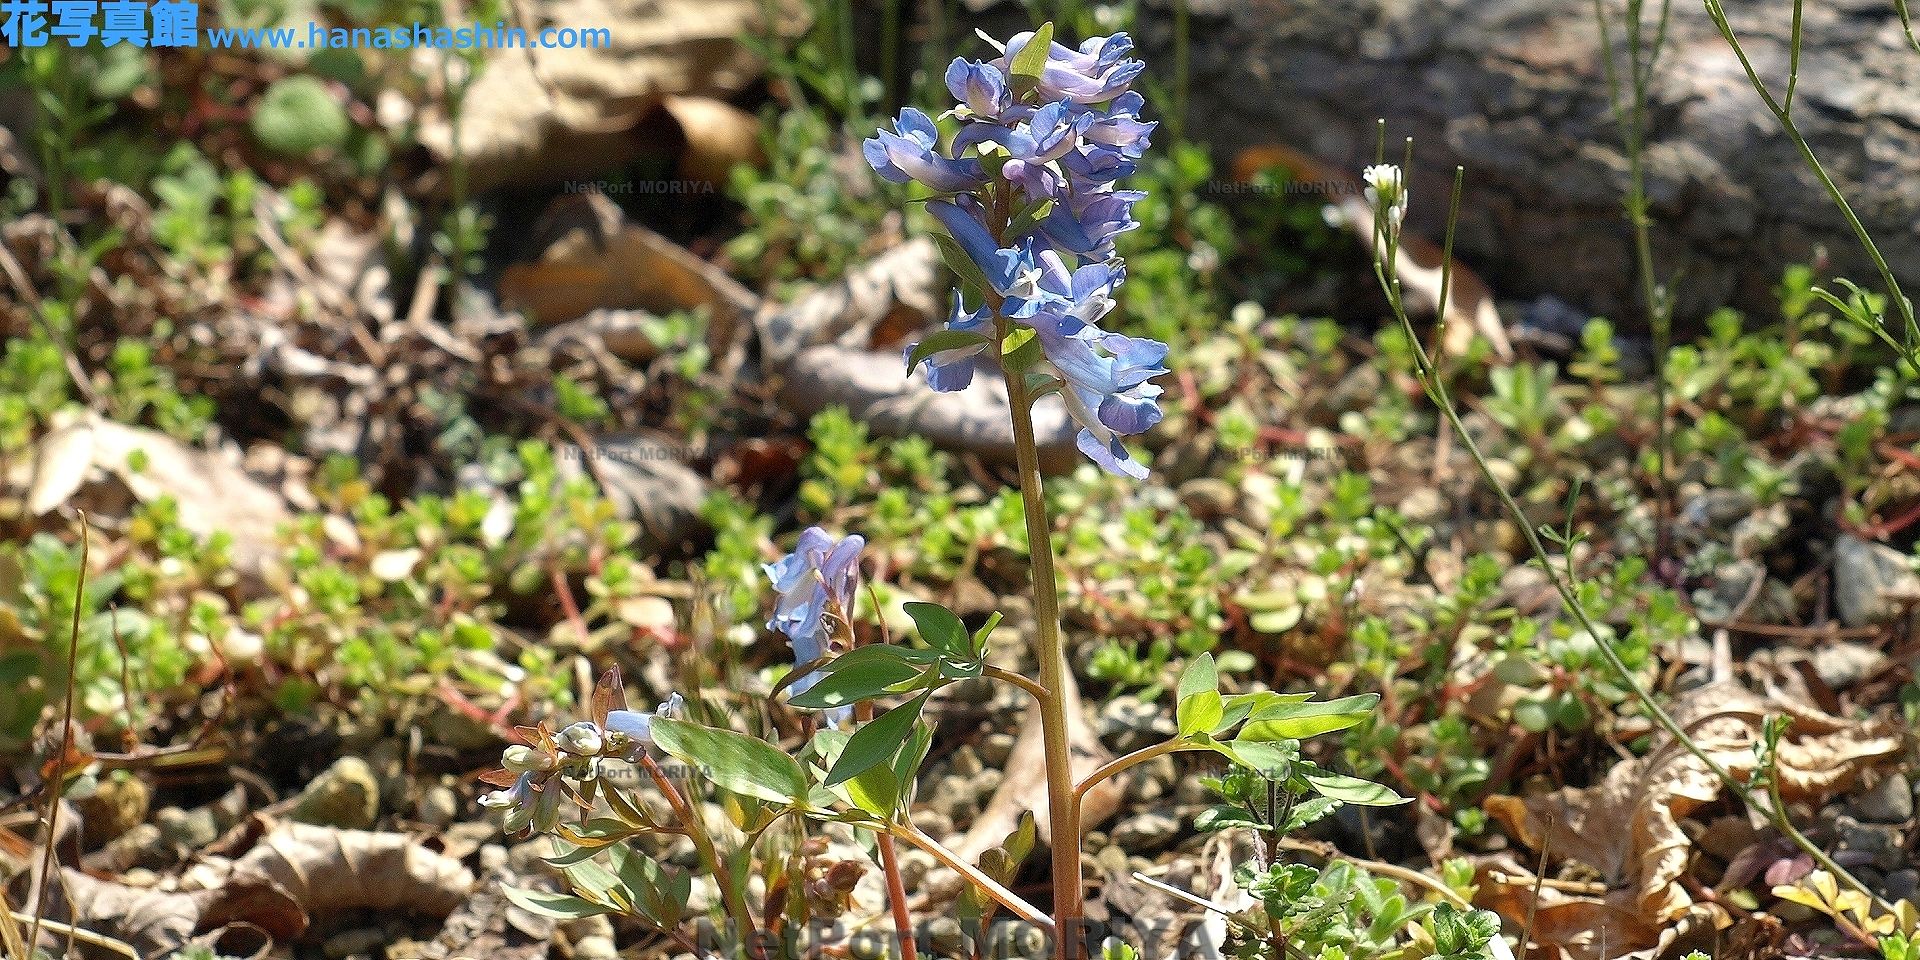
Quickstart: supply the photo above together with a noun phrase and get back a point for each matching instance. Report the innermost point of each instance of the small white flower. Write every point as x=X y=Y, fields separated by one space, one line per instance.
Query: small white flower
x=1387 y=192
x=581 y=739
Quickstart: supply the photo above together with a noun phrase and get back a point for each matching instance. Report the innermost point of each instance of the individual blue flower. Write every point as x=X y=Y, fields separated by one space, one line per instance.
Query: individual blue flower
x=913 y=153
x=950 y=370
x=1036 y=181
x=980 y=87
x=519 y=800
x=819 y=577
x=1107 y=386
x=1047 y=135
x=1012 y=271
x=1099 y=71
x=1095 y=165
x=637 y=726
x=1118 y=125
x=1089 y=231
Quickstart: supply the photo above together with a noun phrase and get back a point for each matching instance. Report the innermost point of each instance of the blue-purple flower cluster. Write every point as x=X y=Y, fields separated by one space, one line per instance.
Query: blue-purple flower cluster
x=817 y=583
x=1033 y=204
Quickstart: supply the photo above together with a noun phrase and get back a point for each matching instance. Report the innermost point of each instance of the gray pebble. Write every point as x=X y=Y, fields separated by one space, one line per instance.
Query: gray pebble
x=1902 y=884
x=363 y=940
x=1890 y=801
x=1146 y=832
x=1843 y=664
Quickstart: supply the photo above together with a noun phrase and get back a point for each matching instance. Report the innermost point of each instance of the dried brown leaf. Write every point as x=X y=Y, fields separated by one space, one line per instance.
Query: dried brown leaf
x=1627 y=827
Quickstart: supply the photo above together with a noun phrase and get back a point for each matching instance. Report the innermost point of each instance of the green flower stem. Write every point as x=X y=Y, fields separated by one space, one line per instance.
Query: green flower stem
x=1631 y=115
x=1437 y=392
x=1784 y=114
x=703 y=844
x=1006 y=898
x=1121 y=765
x=1063 y=806
x=1039 y=692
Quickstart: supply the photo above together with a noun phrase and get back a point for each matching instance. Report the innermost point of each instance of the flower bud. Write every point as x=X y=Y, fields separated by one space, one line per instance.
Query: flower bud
x=581 y=739
x=545 y=812
x=524 y=759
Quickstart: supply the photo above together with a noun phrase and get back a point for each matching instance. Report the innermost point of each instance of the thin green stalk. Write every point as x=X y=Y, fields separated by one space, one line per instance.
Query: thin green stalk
x=1781 y=113
x=1437 y=392
x=1906 y=23
x=1063 y=812
x=1631 y=115
x=1006 y=898
x=1118 y=766
x=59 y=764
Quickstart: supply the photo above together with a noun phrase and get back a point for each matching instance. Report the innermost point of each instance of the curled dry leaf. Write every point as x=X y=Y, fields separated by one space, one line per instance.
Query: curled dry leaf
x=299 y=870
x=1627 y=827
x=536 y=115
x=593 y=259
x=212 y=493
x=901 y=281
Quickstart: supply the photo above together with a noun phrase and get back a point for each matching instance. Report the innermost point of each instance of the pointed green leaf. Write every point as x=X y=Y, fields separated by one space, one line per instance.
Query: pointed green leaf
x=861 y=681
x=1032 y=58
x=876 y=790
x=956 y=259
x=942 y=340
x=1271 y=760
x=1200 y=712
x=938 y=625
x=559 y=906
x=1223 y=817
x=1297 y=721
x=906 y=765
x=878 y=740
x=1199 y=675
x=745 y=765
x=980 y=636
x=1347 y=789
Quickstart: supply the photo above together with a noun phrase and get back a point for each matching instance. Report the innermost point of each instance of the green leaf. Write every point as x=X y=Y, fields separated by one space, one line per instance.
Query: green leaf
x=878 y=740
x=938 y=625
x=963 y=266
x=942 y=340
x=1022 y=358
x=1347 y=789
x=1308 y=812
x=980 y=636
x=1224 y=817
x=298 y=116
x=745 y=765
x=1532 y=715
x=1032 y=59
x=1273 y=761
x=560 y=906
x=1199 y=675
x=1297 y=721
x=1200 y=712
x=868 y=678
x=906 y=766
x=660 y=892
x=876 y=790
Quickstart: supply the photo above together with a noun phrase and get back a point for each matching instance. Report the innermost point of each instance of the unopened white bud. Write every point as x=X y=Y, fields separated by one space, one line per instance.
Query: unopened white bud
x=581 y=739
